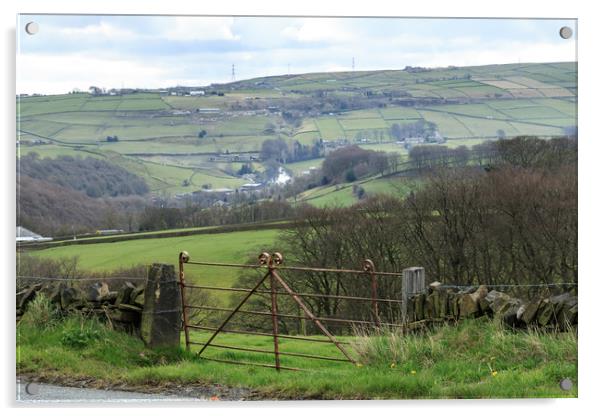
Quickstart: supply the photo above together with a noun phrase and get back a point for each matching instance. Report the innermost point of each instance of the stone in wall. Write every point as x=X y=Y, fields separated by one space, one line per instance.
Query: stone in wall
x=124 y=293
x=528 y=311
x=419 y=307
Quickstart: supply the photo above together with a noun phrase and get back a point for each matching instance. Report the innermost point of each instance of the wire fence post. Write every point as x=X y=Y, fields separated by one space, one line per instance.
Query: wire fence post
x=183 y=258
x=369 y=268
x=413 y=282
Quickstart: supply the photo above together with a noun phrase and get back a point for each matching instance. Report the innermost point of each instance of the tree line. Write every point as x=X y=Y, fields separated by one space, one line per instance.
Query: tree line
x=512 y=222
x=281 y=151
x=522 y=151
x=162 y=218
x=95 y=177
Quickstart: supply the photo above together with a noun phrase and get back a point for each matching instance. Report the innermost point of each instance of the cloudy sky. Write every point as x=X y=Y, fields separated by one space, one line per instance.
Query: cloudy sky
x=142 y=51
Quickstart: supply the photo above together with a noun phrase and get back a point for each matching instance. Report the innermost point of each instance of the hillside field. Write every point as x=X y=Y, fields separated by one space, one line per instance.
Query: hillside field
x=159 y=134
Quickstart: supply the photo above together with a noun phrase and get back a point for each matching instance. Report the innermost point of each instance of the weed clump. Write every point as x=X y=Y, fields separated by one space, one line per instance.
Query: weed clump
x=41 y=313
x=80 y=336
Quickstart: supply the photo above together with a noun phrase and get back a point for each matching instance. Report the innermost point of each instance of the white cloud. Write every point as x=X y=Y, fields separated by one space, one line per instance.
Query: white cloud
x=510 y=52
x=61 y=73
x=197 y=28
x=102 y=29
x=173 y=29
x=318 y=29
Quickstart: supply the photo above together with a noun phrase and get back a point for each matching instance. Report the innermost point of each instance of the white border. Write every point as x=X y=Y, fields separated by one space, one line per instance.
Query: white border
x=589 y=156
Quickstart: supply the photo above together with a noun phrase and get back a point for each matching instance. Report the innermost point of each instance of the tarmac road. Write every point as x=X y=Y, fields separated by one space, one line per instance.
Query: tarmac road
x=32 y=393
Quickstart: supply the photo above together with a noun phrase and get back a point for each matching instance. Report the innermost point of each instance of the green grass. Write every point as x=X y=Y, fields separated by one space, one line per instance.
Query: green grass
x=332 y=197
x=148 y=102
x=478 y=110
x=487 y=128
x=385 y=147
x=448 y=125
x=399 y=113
x=157 y=146
x=329 y=128
x=453 y=143
x=363 y=124
x=565 y=107
x=536 y=130
x=307 y=137
x=54 y=151
x=41 y=128
x=475 y=359
x=298 y=167
x=230 y=247
x=534 y=112
x=243 y=125
x=484 y=91
x=50 y=104
x=361 y=114
x=101 y=104
x=342 y=195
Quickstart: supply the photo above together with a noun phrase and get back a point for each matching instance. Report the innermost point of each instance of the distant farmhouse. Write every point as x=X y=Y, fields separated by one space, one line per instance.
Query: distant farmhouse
x=25 y=236
x=252 y=186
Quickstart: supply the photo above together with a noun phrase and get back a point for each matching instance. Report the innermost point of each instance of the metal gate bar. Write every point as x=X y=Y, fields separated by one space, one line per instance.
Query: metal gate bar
x=239 y=331
x=281 y=315
x=219 y=360
x=296 y=268
x=309 y=295
x=292 y=354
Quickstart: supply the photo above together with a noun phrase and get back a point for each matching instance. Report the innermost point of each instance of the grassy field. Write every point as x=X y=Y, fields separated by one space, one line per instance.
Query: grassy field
x=230 y=247
x=475 y=359
x=342 y=195
x=299 y=167
x=329 y=128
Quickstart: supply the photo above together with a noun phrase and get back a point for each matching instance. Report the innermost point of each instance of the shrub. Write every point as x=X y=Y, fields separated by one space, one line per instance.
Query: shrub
x=41 y=313
x=350 y=176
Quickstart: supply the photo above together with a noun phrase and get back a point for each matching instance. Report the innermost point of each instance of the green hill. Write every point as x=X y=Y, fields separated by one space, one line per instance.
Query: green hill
x=158 y=133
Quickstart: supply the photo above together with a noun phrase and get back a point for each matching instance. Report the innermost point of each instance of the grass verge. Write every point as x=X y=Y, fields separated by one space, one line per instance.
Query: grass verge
x=474 y=359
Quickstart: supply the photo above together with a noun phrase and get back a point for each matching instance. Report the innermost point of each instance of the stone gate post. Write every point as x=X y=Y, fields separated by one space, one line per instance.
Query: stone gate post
x=162 y=314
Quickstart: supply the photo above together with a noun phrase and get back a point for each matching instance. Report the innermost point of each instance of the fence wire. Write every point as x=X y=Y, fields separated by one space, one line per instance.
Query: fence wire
x=79 y=279
x=444 y=286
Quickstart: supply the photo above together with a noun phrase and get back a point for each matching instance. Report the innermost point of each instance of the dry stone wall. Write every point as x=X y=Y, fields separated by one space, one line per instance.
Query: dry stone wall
x=441 y=302
x=122 y=307
x=152 y=310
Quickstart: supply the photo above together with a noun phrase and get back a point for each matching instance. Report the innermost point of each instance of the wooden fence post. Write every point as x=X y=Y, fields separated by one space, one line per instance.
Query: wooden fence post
x=413 y=282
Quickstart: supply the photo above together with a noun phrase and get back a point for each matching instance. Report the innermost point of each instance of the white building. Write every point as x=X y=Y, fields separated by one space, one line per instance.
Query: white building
x=251 y=186
x=24 y=236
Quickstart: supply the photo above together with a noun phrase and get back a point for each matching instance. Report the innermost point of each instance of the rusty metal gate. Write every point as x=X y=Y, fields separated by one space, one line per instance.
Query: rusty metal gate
x=272 y=264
